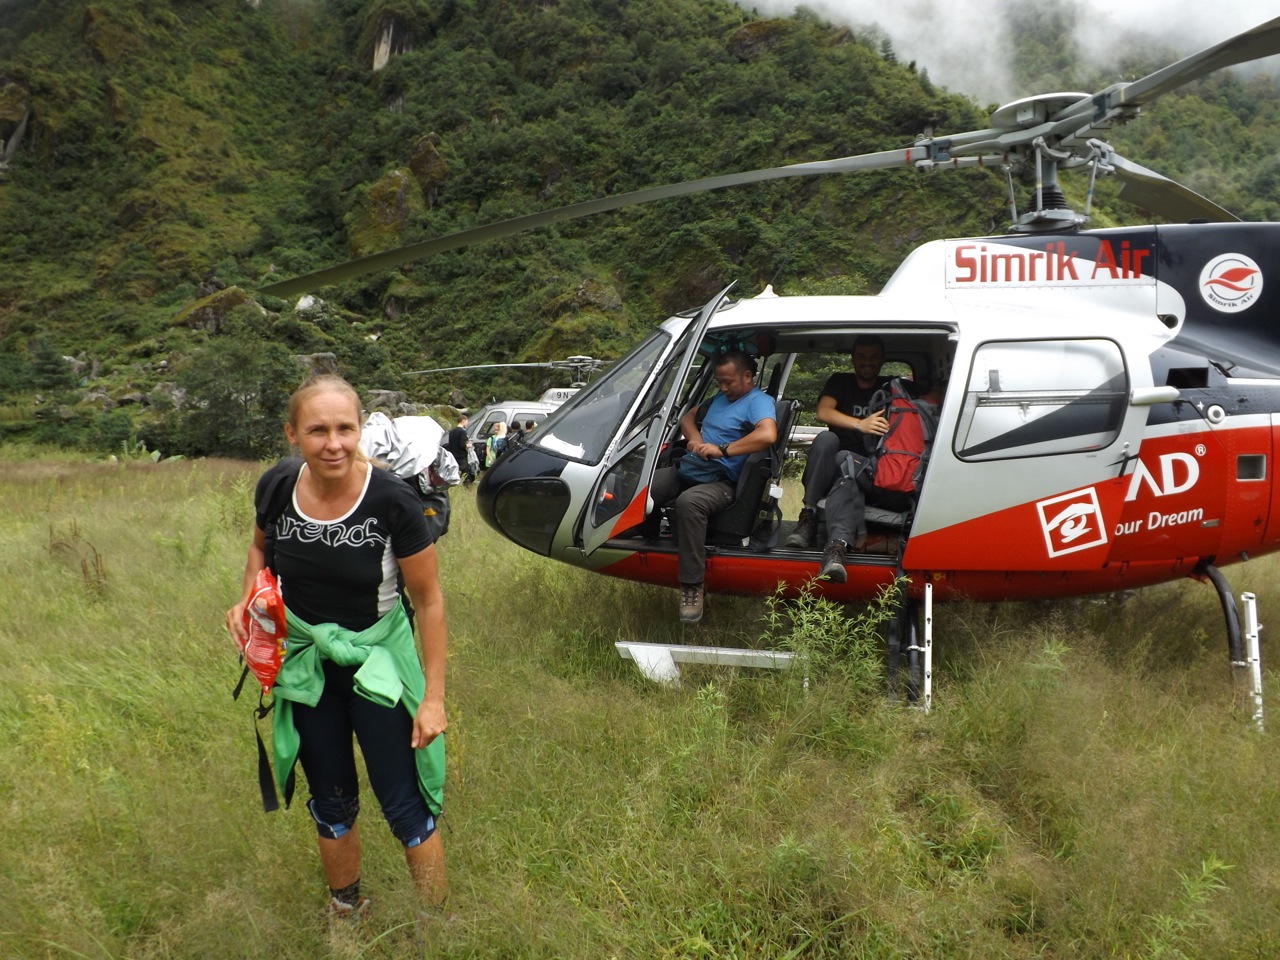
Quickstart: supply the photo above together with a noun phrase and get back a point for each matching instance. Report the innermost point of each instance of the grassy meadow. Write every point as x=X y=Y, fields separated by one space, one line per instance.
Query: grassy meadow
x=1089 y=783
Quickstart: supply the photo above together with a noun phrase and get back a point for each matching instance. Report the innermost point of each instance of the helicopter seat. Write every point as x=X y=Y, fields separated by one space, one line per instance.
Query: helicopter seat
x=754 y=500
x=886 y=529
x=887 y=522
x=895 y=524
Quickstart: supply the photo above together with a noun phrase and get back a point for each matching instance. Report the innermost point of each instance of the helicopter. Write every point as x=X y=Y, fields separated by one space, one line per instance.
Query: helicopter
x=1110 y=398
x=581 y=368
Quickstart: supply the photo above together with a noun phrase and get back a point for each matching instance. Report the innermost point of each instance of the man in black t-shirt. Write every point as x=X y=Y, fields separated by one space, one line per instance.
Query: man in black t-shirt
x=457 y=444
x=845 y=407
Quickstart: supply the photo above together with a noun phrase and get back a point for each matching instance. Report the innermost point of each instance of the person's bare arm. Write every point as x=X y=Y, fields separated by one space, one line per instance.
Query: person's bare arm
x=827 y=413
x=422 y=584
x=762 y=437
x=689 y=427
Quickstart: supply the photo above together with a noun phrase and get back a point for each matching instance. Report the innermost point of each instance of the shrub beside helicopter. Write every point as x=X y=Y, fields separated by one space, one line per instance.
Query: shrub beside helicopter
x=1110 y=398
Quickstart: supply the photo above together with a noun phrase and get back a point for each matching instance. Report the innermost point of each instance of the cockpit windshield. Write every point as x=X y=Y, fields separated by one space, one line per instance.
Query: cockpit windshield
x=583 y=427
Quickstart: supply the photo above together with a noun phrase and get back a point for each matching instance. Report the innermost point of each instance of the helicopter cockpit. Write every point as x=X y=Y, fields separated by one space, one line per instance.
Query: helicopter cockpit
x=608 y=442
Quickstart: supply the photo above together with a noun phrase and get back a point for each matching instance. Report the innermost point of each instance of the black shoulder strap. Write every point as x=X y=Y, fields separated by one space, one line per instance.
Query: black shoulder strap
x=894 y=390
x=279 y=492
x=275 y=500
x=266 y=781
x=703 y=407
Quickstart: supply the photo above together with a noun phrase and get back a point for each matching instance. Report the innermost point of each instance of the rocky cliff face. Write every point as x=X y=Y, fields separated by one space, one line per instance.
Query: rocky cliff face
x=15 y=109
x=392 y=39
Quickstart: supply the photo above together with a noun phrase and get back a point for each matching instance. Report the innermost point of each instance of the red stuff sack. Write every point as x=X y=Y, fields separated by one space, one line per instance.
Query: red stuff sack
x=903 y=450
x=264 y=621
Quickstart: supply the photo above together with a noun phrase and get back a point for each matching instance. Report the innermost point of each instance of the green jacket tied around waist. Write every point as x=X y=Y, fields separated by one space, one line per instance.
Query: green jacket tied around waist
x=389 y=673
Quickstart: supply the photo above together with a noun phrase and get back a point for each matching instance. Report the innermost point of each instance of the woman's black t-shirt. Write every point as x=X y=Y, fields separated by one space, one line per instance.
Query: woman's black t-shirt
x=343 y=571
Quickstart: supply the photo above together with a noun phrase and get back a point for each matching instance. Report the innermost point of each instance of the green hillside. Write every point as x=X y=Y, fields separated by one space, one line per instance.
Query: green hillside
x=166 y=158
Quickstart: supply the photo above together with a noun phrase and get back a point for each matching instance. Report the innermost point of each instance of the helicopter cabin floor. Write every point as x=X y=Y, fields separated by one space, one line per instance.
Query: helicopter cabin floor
x=881 y=545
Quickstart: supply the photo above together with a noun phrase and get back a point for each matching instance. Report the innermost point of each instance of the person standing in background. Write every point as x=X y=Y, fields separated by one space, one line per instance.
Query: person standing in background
x=459 y=444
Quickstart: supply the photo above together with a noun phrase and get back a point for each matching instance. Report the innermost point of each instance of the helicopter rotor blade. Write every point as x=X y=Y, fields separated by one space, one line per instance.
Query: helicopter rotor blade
x=1114 y=102
x=1067 y=127
x=1253 y=44
x=483 y=366
x=1164 y=197
x=589 y=364
x=1262 y=41
x=505 y=228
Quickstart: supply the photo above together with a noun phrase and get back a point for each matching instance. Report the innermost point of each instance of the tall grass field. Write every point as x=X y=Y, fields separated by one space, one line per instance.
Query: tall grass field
x=1088 y=784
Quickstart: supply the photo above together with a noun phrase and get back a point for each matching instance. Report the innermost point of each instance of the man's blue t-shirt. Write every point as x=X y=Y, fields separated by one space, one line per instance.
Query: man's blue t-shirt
x=726 y=422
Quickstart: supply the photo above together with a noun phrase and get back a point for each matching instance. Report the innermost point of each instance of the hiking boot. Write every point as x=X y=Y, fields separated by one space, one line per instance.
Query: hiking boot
x=806 y=531
x=342 y=912
x=833 y=563
x=690 y=603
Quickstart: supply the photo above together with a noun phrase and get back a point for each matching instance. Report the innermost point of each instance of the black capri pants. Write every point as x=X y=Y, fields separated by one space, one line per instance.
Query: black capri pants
x=327 y=754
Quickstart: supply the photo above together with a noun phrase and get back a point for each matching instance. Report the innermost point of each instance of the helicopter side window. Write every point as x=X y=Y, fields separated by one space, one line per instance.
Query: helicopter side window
x=522 y=418
x=583 y=429
x=620 y=486
x=1042 y=397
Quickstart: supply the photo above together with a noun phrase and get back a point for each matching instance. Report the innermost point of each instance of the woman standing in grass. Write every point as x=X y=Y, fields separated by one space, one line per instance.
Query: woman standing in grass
x=348 y=541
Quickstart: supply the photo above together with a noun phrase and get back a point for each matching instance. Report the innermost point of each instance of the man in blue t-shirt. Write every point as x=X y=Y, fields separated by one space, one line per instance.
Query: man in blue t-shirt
x=739 y=421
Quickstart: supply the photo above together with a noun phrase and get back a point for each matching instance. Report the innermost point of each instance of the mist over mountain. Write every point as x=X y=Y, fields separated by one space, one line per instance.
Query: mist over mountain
x=973 y=47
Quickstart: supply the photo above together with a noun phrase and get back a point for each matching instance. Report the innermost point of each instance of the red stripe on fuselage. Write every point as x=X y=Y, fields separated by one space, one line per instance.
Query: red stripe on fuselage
x=759 y=575
x=752 y=575
x=633 y=515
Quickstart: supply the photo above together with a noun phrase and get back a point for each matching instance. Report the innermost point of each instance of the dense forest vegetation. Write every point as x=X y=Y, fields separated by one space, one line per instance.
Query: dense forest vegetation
x=162 y=159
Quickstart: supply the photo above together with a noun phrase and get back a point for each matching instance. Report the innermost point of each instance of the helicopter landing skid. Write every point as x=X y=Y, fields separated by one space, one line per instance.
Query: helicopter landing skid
x=1253 y=657
x=1246 y=660
x=911 y=638
x=913 y=623
x=1230 y=614
x=660 y=661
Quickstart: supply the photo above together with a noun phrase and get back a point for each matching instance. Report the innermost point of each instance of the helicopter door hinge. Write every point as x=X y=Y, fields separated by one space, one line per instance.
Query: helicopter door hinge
x=1126 y=458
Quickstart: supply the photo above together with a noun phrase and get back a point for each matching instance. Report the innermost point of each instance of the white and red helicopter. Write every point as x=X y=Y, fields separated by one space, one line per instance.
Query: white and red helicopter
x=1110 y=398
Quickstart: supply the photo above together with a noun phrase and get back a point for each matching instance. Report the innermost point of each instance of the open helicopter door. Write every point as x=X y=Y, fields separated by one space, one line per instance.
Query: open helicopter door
x=620 y=497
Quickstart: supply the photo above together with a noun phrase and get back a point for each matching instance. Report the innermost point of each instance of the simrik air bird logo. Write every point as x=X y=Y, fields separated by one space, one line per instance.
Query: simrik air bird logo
x=1230 y=282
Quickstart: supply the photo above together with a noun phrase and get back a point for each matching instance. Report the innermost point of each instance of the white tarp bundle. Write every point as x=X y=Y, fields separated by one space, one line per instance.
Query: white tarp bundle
x=410 y=447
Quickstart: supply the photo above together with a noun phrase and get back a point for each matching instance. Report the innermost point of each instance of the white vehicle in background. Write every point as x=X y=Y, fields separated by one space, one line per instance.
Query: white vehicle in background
x=512 y=412
x=507 y=412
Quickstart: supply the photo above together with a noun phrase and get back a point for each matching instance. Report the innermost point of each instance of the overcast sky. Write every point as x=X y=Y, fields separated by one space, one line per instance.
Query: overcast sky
x=959 y=43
